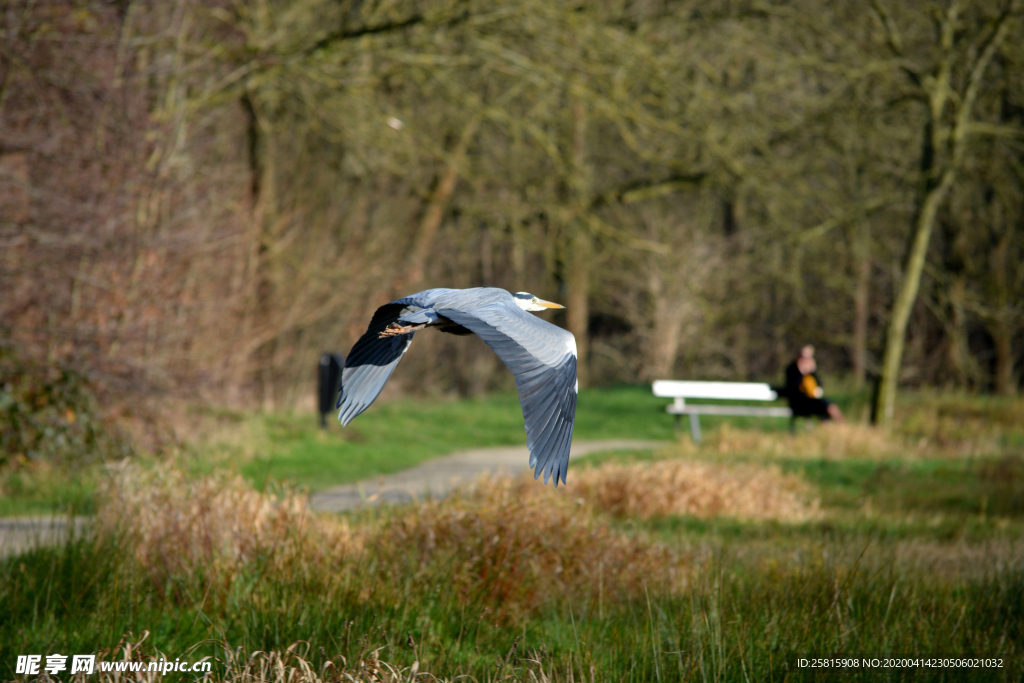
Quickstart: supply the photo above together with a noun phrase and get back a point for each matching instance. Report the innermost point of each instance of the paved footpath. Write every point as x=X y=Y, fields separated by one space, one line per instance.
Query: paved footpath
x=18 y=534
x=437 y=477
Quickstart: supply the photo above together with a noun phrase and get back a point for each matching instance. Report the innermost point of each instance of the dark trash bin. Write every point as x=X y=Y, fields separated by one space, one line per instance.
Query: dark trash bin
x=328 y=383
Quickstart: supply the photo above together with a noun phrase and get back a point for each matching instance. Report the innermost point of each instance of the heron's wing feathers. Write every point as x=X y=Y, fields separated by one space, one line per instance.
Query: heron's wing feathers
x=371 y=362
x=542 y=357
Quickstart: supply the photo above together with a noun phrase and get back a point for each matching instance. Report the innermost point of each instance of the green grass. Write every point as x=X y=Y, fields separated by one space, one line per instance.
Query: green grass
x=982 y=487
x=395 y=435
x=389 y=437
x=916 y=555
x=754 y=606
x=399 y=434
x=931 y=499
x=45 y=491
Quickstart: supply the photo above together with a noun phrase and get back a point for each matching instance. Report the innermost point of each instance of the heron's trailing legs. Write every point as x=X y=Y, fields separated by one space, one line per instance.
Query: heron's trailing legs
x=394 y=330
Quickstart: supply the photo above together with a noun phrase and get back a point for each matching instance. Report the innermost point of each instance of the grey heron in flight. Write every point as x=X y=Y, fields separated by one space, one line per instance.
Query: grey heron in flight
x=541 y=357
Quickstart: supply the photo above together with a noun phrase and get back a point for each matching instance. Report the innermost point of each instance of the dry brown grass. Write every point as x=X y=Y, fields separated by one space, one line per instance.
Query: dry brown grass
x=520 y=546
x=933 y=426
x=509 y=545
x=292 y=665
x=701 y=489
x=830 y=441
x=179 y=527
x=960 y=425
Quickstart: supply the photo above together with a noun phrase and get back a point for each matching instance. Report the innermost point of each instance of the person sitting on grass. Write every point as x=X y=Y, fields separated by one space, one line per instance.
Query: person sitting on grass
x=803 y=388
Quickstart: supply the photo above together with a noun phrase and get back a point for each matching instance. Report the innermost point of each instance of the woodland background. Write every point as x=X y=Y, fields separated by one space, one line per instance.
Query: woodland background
x=201 y=197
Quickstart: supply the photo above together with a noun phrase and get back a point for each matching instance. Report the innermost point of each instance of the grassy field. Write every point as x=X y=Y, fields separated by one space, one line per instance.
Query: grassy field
x=269 y=449
x=272 y=448
x=403 y=433
x=727 y=561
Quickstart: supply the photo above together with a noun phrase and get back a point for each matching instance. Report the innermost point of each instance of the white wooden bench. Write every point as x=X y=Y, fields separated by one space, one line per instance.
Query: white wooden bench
x=732 y=391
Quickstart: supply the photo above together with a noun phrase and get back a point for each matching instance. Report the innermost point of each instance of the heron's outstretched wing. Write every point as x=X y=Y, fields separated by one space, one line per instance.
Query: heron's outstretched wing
x=542 y=357
x=371 y=362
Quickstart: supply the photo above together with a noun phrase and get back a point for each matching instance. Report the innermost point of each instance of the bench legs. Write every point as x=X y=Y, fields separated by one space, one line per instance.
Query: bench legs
x=695 y=427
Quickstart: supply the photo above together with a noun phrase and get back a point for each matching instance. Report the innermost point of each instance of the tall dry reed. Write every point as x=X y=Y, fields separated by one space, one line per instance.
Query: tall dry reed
x=829 y=441
x=509 y=545
x=687 y=487
x=212 y=526
x=518 y=546
x=931 y=430
x=292 y=665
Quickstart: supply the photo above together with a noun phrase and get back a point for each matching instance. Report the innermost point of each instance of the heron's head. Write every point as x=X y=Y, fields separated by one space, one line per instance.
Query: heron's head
x=528 y=302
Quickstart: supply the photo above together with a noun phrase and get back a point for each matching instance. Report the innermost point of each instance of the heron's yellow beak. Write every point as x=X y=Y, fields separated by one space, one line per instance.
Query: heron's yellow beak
x=548 y=304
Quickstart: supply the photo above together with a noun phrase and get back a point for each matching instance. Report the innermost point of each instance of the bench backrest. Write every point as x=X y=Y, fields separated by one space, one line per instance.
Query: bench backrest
x=737 y=391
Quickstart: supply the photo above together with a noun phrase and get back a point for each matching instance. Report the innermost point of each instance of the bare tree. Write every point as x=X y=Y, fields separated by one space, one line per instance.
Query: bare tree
x=950 y=119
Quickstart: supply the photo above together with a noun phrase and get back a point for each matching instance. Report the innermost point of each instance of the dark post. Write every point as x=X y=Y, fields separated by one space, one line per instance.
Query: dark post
x=328 y=384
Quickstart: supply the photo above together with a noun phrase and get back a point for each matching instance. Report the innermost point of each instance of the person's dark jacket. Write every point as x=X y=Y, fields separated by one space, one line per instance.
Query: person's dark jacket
x=802 y=403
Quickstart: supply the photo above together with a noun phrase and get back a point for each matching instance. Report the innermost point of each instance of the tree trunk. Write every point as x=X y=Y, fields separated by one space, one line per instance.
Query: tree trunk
x=1002 y=338
x=999 y=324
x=897 y=332
x=955 y=265
x=861 y=293
x=258 y=281
x=937 y=180
x=263 y=277
x=958 y=354
x=433 y=213
x=666 y=325
x=578 y=306
x=580 y=253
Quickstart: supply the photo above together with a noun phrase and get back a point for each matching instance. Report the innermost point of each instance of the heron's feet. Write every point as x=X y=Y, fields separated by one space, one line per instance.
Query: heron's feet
x=394 y=330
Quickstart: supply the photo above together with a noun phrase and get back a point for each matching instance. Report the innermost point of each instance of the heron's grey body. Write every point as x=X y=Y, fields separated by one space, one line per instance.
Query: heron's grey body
x=541 y=357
